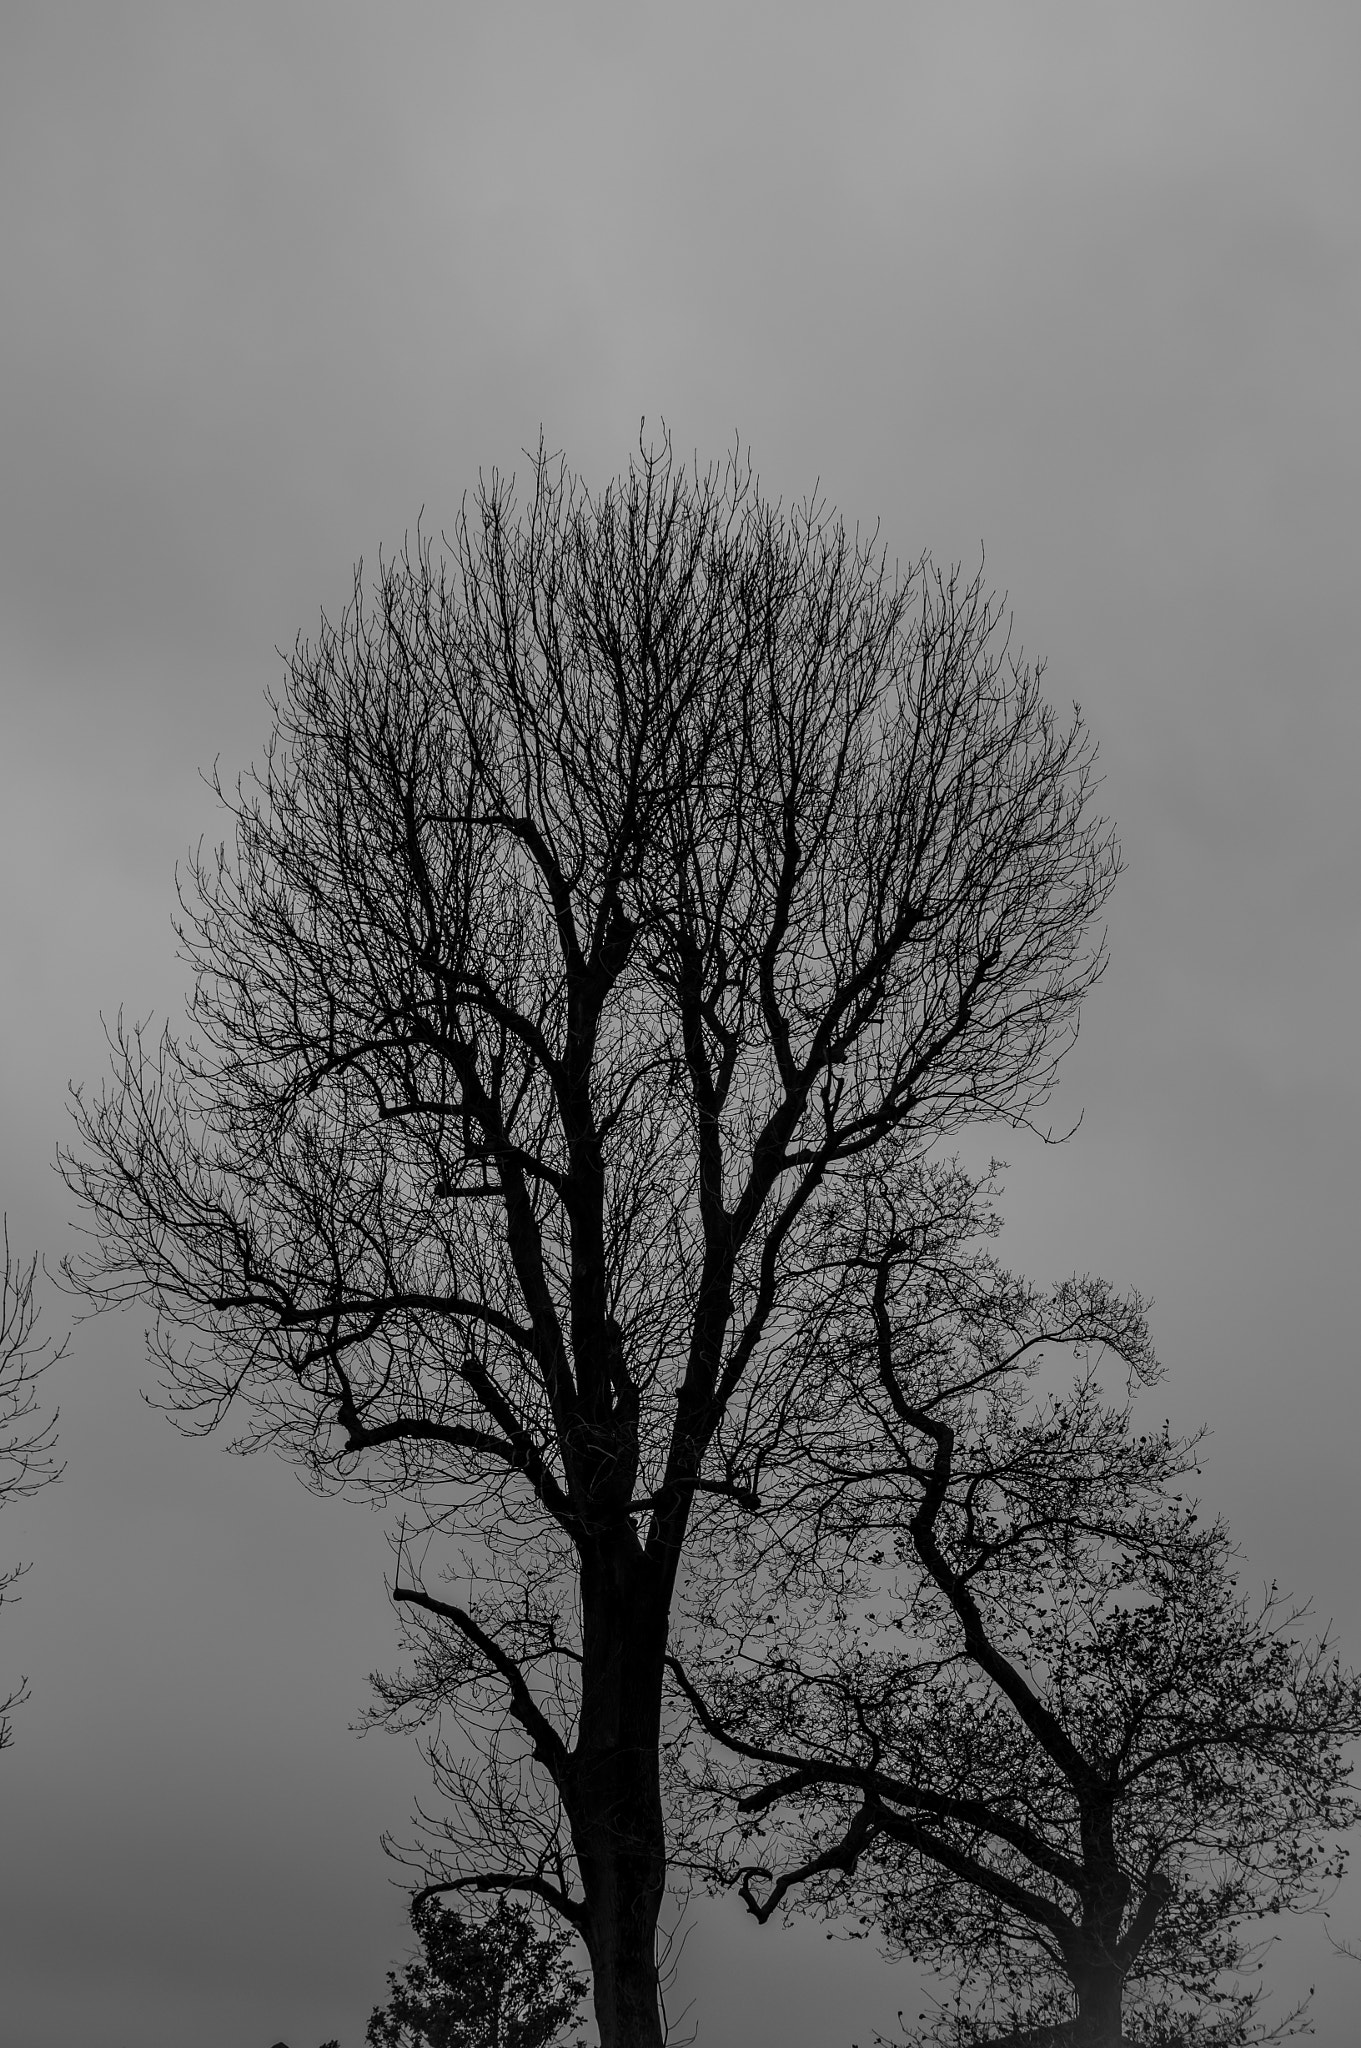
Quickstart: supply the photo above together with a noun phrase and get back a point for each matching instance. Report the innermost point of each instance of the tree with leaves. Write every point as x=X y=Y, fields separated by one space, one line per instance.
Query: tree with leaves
x=497 y=1984
x=615 y=884
x=1036 y=1734
x=27 y=1439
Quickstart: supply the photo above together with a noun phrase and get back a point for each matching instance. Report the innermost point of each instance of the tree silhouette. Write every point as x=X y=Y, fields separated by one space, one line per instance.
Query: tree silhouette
x=499 y=1984
x=26 y=1440
x=1036 y=1736
x=615 y=885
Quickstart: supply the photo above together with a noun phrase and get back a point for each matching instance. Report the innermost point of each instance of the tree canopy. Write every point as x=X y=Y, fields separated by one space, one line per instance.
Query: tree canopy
x=1032 y=1732
x=620 y=883
x=494 y=1984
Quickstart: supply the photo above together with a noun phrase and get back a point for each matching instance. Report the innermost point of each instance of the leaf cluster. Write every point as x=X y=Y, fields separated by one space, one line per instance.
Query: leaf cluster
x=497 y=1983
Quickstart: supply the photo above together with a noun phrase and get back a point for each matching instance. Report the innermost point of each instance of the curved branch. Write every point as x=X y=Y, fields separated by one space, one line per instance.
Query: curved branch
x=548 y=1746
x=572 y=1910
x=843 y=1856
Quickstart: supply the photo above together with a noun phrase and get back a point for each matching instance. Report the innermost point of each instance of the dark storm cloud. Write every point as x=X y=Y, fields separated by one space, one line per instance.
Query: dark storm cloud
x=1080 y=284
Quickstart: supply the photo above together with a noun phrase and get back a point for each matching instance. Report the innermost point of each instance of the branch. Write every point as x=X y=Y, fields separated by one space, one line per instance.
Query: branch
x=973 y=1872
x=1043 y=1725
x=843 y=1855
x=1157 y=1892
x=802 y=1773
x=518 y=1456
x=572 y=1910
x=549 y=1747
x=723 y=1489
x=378 y=1306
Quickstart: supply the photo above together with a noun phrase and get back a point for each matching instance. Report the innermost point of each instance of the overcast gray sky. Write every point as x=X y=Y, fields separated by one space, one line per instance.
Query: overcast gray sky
x=1078 y=284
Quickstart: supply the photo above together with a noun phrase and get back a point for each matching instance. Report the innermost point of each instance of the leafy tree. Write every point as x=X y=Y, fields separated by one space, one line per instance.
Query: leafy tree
x=26 y=1440
x=1040 y=1739
x=614 y=887
x=499 y=1984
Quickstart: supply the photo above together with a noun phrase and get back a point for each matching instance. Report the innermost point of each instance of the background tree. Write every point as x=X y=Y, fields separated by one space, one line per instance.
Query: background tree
x=497 y=1984
x=612 y=884
x=1056 y=1752
x=26 y=1440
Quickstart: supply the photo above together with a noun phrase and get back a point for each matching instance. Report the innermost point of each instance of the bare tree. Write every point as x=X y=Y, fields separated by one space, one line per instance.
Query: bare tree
x=26 y=1440
x=1039 y=1738
x=613 y=882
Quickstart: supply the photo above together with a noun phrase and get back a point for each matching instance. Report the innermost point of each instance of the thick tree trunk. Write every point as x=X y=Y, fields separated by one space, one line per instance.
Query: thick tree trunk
x=622 y=1946
x=615 y=1805
x=1100 y=1997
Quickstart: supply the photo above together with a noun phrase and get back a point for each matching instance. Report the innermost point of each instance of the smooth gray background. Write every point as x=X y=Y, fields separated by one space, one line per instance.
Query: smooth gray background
x=1080 y=283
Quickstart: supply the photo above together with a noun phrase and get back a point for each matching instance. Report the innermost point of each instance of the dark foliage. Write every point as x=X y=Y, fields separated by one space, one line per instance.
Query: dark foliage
x=497 y=1983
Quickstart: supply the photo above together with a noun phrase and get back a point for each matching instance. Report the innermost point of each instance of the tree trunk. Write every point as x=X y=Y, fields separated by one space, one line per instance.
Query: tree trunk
x=1100 y=1997
x=622 y=1946
x=614 y=1800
